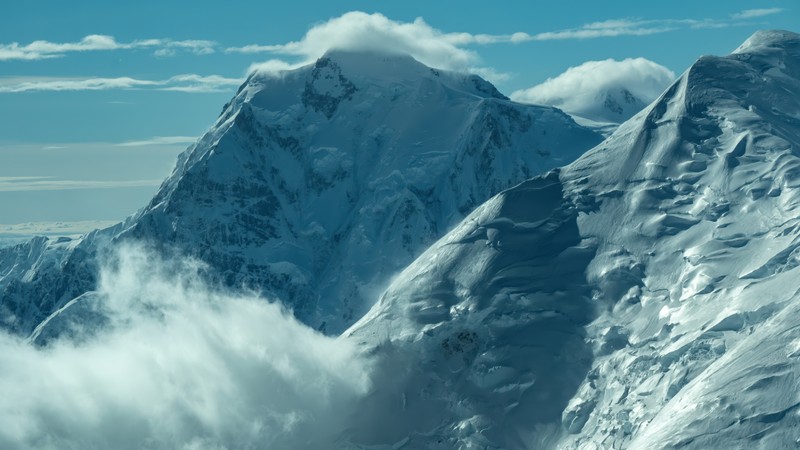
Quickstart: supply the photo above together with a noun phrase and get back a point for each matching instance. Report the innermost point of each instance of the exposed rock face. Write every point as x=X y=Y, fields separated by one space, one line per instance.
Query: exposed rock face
x=315 y=186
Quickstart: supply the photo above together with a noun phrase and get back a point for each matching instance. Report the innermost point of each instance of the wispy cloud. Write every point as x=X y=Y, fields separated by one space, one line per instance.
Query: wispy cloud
x=20 y=179
x=200 y=83
x=611 y=28
x=18 y=184
x=198 y=47
x=160 y=140
x=182 y=83
x=53 y=228
x=45 y=49
x=607 y=28
x=371 y=32
x=451 y=50
x=85 y=84
x=751 y=13
x=350 y=30
x=41 y=49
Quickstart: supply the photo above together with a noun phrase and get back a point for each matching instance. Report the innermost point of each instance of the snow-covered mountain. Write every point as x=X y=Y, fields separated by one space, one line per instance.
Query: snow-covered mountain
x=603 y=110
x=601 y=94
x=611 y=106
x=316 y=185
x=642 y=297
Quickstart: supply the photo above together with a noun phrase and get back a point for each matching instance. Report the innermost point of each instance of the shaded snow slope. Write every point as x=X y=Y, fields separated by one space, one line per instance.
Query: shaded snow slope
x=317 y=185
x=645 y=296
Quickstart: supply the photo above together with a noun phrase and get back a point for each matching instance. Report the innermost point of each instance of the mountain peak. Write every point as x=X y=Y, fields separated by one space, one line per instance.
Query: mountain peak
x=394 y=67
x=375 y=65
x=317 y=184
x=361 y=77
x=769 y=40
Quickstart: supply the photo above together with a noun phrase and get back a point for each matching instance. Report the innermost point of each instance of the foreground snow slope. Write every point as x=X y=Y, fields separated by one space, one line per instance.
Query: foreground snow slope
x=316 y=185
x=643 y=297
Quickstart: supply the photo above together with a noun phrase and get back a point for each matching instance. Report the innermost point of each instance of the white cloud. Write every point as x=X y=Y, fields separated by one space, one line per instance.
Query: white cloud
x=375 y=32
x=87 y=84
x=450 y=50
x=623 y=27
x=200 y=83
x=198 y=47
x=179 y=366
x=751 y=13
x=96 y=42
x=46 y=49
x=182 y=83
x=19 y=184
x=272 y=66
x=582 y=90
x=361 y=31
x=19 y=179
x=160 y=140
x=607 y=28
x=53 y=228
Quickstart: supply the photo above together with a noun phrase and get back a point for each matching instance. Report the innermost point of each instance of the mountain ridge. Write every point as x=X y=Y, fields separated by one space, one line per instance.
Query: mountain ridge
x=597 y=305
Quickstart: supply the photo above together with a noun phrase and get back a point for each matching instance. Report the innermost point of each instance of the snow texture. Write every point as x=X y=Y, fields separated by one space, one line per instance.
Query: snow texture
x=642 y=297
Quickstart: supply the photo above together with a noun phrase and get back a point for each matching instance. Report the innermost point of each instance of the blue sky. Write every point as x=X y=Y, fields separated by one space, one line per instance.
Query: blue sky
x=88 y=126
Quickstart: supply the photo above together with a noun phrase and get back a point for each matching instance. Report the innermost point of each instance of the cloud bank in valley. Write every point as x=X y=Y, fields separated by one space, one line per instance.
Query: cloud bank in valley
x=583 y=90
x=178 y=365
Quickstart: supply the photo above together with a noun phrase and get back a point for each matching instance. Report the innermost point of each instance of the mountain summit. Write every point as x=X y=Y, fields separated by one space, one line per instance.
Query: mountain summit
x=642 y=297
x=316 y=185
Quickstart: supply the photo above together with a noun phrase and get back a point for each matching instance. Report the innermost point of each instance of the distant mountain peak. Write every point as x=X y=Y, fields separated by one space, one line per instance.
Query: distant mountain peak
x=618 y=106
x=764 y=40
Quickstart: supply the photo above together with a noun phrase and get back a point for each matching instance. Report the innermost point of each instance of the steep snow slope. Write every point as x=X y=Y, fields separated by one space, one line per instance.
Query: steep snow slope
x=643 y=297
x=316 y=185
